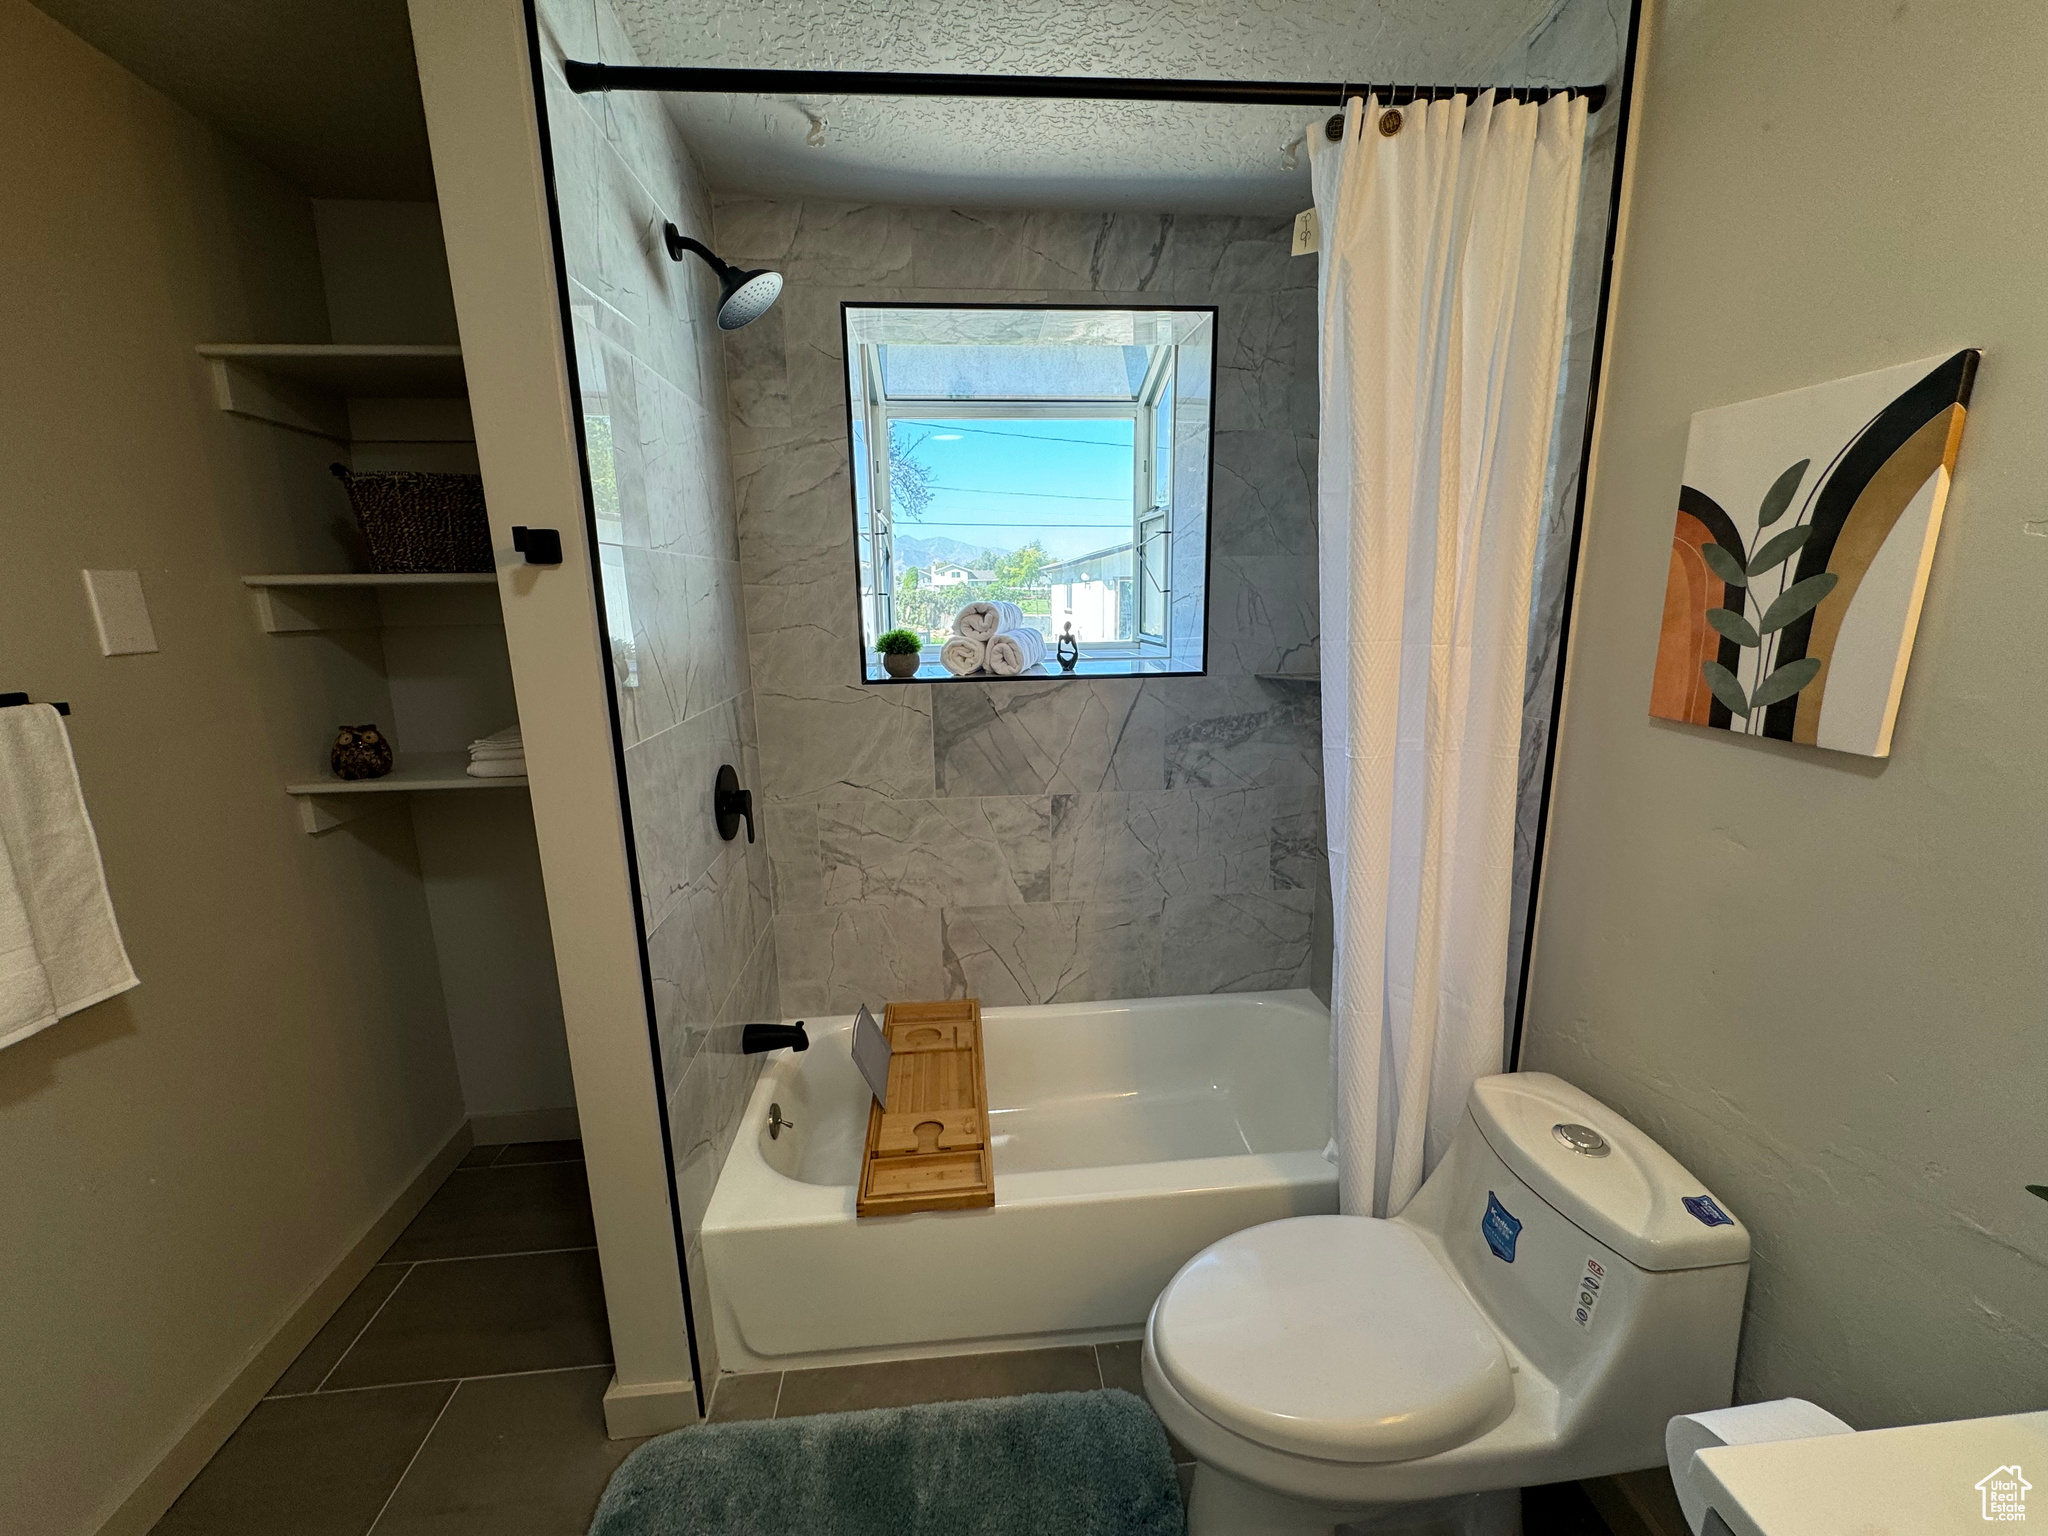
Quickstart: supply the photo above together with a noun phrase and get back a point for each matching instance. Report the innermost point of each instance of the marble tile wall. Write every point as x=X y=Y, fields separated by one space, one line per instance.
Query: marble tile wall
x=1031 y=841
x=648 y=363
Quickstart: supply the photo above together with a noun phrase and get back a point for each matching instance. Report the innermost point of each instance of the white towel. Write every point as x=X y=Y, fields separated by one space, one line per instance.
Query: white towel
x=53 y=866
x=25 y=1001
x=498 y=768
x=962 y=656
x=1014 y=651
x=984 y=621
x=505 y=743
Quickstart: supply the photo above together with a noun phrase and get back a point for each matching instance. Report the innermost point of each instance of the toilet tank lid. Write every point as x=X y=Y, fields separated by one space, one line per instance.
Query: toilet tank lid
x=1636 y=1198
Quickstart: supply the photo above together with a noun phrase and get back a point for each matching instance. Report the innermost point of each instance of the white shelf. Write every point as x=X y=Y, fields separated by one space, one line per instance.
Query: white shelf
x=293 y=604
x=415 y=770
x=326 y=801
x=350 y=369
x=322 y=388
x=372 y=579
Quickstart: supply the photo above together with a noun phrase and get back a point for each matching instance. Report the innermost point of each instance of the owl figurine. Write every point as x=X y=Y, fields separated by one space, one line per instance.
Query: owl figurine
x=360 y=752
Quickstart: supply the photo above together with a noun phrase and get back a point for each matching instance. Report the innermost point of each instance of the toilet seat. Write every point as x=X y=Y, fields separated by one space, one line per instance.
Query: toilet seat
x=1337 y=1337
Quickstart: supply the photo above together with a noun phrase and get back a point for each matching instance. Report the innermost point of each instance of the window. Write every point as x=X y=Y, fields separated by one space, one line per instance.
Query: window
x=1057 y=458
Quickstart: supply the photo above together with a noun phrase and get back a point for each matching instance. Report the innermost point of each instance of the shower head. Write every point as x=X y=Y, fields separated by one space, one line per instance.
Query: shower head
x=743 y=297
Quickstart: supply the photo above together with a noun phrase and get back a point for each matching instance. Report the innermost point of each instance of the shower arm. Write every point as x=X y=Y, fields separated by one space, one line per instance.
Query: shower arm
x=678 y=242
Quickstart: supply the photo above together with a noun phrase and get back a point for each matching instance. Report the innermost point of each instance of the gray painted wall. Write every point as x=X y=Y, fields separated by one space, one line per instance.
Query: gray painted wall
x=1030 y=842
x=1820 y=980
x=647 y=357
x=187 y=1162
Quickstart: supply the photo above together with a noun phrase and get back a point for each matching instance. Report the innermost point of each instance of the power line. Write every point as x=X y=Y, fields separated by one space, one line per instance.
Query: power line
x=969 y=490
x=1029 y=437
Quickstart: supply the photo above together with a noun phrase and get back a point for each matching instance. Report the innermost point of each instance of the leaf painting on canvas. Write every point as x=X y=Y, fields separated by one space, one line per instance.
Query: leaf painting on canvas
x=1806 y=525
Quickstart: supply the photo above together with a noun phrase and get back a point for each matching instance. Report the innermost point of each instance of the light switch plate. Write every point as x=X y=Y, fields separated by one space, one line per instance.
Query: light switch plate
x=1308 y=234
x=120 y=613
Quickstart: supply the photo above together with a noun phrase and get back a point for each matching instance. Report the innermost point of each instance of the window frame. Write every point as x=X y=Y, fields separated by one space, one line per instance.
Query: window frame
x=1141 y=410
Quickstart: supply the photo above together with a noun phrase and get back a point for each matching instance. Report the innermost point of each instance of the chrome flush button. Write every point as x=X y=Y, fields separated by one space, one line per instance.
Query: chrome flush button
x=1582 y=1139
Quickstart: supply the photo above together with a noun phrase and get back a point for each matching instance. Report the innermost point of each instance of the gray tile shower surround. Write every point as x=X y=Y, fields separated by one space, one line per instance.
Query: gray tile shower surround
x=1028 y=842
x=1031 y=841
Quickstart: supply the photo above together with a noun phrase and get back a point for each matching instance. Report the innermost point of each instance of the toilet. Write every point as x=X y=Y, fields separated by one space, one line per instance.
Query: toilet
x=1557 y=1290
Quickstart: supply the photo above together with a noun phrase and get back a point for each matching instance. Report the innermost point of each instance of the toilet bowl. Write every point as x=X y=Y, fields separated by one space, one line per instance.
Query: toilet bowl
x=1557 y=1290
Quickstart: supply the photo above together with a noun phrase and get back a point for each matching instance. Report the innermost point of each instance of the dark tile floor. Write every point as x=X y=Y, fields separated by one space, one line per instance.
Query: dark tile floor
x=459 y=1390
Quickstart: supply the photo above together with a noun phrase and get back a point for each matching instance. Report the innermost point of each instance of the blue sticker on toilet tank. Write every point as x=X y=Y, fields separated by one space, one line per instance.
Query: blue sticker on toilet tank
x=1705 y=1211
x=1500 y=1228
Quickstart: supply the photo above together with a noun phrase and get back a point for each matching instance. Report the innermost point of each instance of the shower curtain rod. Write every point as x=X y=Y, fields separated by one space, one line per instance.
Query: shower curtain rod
x=583 y=77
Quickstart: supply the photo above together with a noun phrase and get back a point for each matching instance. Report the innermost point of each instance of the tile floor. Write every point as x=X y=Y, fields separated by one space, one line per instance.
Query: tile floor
x=459 y=1390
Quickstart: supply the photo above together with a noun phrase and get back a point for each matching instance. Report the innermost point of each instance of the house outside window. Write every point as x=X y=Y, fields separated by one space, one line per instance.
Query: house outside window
x=1054 y=457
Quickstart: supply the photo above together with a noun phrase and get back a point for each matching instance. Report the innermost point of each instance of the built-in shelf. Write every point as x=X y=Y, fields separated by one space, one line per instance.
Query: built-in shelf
x=325 y=801
x=333 y=390
x=1306 y=679
x=377 y=579
x=294 y=604
x=351 y=369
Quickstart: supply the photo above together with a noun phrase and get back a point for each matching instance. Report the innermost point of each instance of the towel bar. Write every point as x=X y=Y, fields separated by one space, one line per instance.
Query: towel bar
x=9 y=699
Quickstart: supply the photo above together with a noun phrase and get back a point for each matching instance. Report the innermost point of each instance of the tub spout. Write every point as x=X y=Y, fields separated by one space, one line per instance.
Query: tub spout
x=772 y=1037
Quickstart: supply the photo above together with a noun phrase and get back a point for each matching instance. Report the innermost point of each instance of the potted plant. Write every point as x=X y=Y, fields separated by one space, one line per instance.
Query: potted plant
x=902 y=651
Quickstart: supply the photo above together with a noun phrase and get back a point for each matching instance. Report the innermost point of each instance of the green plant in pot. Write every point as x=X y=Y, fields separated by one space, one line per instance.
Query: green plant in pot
x=901 y=652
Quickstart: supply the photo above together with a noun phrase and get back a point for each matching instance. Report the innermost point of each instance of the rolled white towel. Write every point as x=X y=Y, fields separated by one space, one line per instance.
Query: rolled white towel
x=961 y=656
x=984 y=621
x=498 y=768
x=1014 y=651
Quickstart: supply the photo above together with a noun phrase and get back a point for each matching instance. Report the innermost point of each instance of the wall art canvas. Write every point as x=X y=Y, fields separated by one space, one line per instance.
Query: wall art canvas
x=1806 y=525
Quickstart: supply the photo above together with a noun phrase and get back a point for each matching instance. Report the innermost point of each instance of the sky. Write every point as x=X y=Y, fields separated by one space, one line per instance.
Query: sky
x=1000 y=484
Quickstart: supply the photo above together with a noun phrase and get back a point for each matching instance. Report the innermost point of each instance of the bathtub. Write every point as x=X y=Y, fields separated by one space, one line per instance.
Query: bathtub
x=1128 y=1136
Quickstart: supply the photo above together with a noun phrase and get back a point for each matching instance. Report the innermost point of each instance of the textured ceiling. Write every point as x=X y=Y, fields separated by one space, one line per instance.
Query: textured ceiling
x=323 y=91
x=1163 y=156
x=326 y=91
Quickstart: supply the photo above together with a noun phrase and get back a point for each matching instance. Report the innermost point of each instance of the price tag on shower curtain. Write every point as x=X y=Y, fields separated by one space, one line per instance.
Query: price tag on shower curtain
x=1308 y=233
x=871 y=1054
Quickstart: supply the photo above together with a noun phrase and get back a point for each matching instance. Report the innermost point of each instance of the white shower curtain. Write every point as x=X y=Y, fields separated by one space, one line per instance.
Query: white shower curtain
x=1446 y=250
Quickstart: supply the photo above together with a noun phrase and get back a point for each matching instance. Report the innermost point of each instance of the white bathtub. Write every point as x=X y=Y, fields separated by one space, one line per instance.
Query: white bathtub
x=1128 y=1136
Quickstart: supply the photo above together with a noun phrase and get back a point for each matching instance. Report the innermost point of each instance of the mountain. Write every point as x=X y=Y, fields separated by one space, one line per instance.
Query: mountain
x=922 y=552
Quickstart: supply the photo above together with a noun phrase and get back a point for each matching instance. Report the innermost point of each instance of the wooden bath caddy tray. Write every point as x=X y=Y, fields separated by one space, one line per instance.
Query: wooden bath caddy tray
x=928 y=1150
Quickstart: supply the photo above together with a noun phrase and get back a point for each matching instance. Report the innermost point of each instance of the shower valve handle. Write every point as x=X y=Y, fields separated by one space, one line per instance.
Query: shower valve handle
x=731 y=804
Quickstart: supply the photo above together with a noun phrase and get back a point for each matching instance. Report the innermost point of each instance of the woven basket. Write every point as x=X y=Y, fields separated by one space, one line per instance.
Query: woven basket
x=415 y=521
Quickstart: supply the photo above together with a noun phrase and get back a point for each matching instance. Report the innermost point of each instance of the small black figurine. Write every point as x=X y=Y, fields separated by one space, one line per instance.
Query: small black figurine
x=360 y=752
x=1068 y=649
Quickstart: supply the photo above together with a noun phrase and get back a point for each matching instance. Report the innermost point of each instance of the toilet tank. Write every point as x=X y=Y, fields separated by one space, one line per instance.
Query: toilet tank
x=1613 y=1272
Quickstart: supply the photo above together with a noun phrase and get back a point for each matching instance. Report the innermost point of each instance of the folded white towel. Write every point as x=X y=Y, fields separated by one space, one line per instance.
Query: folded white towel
x=494 y=754
x=505 y=743
x=961 y=656
x=498 y=768
x=983 y=621
x=53 y=862
x=1014 y=651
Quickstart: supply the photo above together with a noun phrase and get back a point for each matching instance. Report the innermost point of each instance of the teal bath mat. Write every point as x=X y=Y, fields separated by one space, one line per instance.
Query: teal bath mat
x=1052 y=1464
